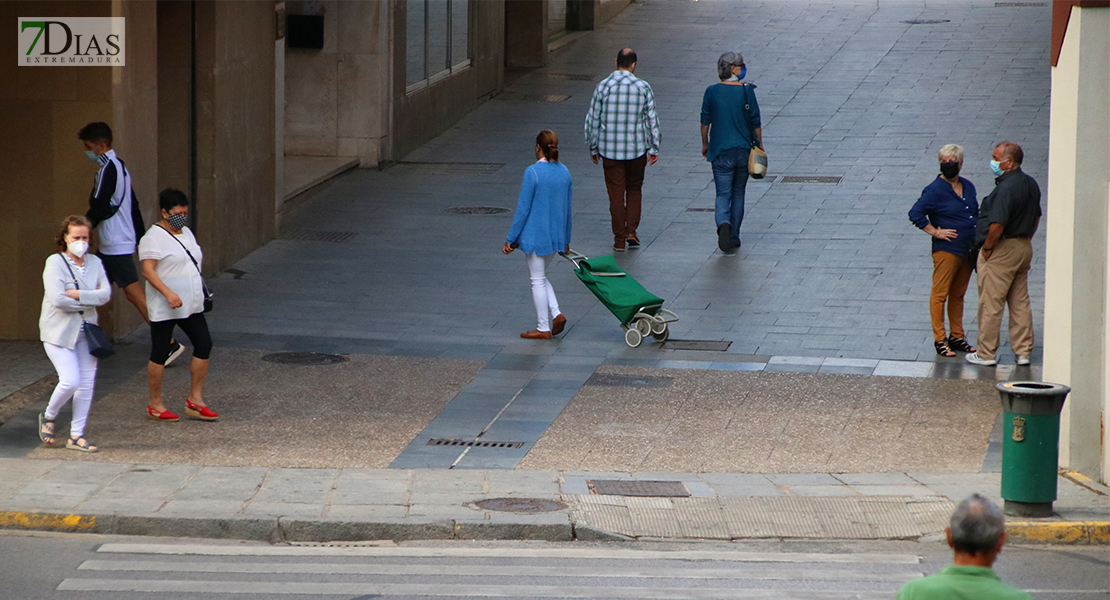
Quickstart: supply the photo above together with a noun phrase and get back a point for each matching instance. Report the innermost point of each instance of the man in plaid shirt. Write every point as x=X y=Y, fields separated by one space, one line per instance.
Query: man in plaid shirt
x=623 y=129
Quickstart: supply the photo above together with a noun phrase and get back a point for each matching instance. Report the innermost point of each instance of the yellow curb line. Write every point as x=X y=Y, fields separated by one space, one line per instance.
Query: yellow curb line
x=47 y=521
x=1059 y=532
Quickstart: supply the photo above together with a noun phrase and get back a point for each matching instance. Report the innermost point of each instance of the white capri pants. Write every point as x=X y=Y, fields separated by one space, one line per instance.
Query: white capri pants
x=543 y=295
x=76 y=378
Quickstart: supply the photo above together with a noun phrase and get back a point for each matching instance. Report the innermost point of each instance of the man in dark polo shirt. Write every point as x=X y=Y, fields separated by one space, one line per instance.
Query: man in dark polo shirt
x=1008 y=218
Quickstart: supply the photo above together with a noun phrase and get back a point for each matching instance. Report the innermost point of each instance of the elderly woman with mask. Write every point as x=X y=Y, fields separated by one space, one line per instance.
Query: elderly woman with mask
x=947 y=210
x=730 y=128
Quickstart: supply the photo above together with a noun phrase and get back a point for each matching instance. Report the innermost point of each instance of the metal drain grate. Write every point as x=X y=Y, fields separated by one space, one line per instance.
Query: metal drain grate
x=473 y=443
x=1018 y=4
x=569 y=76
x=477 y=210
x=521 y=505
x=518 y=97
x=701 y=209
x=304 y=358
x=318 y=236
x=707 y=345
x=809 y=179
x=659 y=489
x=927 y=21
x=449 y=168
x=629 y=380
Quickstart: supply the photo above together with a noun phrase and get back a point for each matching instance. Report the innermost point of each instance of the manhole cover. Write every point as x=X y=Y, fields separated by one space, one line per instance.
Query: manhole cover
x=451 y=168
x=808 y=179
x=701 y=209
x=518 y=97
x=628 y=380
x=474 y=443
x=520 y=505
x=662 y=489
x=477 y=210
x=569 y=76
x=318 y=236
x=304 y=358
x=927 y=21
x=708 y=345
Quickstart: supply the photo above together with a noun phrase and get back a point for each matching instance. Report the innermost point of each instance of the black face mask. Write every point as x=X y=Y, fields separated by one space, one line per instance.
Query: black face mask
x=949 y=169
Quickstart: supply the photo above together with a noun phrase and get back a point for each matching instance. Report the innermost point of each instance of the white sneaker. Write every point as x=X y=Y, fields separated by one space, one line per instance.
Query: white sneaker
x=178 y=350
x=974 y=359
x=1022 y=361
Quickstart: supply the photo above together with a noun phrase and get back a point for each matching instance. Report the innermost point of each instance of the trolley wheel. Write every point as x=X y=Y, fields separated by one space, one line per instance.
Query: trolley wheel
x=632 y=337
x=643 y=325
x=658 y=327
x=663 y=335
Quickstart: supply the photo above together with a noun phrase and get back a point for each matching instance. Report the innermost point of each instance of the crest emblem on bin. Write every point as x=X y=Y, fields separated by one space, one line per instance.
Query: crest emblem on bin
x=1019 y=429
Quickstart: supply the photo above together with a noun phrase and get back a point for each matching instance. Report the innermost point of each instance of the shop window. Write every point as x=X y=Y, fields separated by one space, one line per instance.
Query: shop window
x=437 y=34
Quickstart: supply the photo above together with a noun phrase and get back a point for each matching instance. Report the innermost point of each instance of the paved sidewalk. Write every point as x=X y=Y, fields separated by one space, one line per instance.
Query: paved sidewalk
x=281 y=504
x=828 y=297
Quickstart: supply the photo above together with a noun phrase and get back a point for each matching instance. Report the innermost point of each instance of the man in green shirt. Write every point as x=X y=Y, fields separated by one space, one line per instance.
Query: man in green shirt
x=976 y=534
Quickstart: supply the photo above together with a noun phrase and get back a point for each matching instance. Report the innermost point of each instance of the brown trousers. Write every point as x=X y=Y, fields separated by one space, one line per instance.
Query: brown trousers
x=624 y=179
x=951 y=275
x=1004 y=281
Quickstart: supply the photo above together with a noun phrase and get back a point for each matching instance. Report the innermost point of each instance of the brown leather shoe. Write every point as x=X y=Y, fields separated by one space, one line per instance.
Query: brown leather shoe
x=558 y=324
x=536 y=334
x=633 y=241
x=618 y=246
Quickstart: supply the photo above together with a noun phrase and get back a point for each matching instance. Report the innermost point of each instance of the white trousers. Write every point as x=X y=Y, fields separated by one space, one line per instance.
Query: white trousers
x=543 y=295
x=76 y=378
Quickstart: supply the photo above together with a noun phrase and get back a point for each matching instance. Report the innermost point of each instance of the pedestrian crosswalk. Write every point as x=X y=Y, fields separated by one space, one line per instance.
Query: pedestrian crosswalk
x=226 y=571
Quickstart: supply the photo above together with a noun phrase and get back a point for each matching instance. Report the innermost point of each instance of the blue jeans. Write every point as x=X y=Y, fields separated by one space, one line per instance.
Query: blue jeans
x=730 y=175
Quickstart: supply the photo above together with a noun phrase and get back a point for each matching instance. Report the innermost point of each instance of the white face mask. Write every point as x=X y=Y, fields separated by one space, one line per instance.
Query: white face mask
x=78 y=248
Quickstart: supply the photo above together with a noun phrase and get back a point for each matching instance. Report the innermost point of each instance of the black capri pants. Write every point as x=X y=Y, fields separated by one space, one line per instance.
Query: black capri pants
x=195 y=327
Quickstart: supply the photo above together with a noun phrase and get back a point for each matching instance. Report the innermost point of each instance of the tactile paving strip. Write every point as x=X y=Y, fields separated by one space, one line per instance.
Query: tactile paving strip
x=724 y=518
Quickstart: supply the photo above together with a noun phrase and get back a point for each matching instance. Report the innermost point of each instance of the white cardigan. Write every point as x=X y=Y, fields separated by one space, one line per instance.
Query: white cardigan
x=60 y=320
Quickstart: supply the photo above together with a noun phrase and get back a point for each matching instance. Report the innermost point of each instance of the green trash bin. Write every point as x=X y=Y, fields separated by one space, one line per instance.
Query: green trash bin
x=1030 y=445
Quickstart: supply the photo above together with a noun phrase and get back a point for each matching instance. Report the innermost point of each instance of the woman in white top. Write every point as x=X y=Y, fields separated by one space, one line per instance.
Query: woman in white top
x=175 y=298
x=74 y=285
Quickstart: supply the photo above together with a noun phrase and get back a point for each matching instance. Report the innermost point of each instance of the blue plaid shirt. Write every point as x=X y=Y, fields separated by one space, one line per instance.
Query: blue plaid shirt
x=622 y=123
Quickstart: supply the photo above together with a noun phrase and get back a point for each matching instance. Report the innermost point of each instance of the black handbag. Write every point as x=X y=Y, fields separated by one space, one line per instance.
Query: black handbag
x=207 y=292
x=99 y=344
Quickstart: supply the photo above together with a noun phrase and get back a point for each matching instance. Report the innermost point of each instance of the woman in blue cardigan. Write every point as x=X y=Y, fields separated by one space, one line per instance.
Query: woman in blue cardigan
x=541 y=227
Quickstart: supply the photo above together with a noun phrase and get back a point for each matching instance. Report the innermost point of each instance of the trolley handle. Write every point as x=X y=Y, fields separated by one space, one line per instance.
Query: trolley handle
x=577 y=257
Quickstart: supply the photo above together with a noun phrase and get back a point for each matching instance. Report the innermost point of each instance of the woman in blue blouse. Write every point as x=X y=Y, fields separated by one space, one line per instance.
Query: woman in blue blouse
x=541 y=227
x=947 y=211
x=730 y=128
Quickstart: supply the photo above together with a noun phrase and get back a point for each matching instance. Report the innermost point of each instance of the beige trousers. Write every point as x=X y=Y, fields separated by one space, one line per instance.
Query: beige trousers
x=1004 y=281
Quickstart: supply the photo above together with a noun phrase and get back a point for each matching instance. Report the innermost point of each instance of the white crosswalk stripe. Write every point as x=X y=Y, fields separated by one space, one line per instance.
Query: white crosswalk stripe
x=501 y=572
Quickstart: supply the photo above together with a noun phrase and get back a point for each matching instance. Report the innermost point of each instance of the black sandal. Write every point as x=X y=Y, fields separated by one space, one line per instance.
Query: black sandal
x=943 y=349
x=46 y=429
x=959 y=345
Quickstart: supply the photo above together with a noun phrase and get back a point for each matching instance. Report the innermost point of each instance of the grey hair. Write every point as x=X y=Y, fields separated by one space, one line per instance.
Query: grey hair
x=954 y=150
x=977 y=525
x=725 y=63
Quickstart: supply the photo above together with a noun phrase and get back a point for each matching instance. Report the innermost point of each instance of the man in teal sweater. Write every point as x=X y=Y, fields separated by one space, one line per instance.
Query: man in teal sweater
x=976 y=533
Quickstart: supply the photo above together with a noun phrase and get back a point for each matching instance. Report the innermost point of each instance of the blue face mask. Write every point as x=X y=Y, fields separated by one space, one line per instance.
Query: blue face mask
x=92 y=155
x=996 y=167
x=743 y=72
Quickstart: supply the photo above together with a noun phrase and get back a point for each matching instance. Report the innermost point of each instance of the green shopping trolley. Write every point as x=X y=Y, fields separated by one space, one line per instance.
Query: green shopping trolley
x=640 y=312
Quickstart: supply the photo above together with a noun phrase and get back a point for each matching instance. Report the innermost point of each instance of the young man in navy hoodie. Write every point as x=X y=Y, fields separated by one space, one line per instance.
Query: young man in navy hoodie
x=115 y=213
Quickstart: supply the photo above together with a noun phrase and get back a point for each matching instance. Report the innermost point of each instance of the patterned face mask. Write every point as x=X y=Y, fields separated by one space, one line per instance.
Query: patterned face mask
x=177 y=221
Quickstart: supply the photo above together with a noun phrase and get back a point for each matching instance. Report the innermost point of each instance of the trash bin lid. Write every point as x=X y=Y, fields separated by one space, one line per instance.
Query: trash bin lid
x=1032 y=397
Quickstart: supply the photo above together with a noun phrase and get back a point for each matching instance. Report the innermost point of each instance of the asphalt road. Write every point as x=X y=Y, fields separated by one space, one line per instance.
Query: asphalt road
x=88 y=567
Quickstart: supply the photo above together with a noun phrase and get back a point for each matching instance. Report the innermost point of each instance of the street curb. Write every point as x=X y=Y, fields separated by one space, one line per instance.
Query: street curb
x=1076 y=533
x=283 y=529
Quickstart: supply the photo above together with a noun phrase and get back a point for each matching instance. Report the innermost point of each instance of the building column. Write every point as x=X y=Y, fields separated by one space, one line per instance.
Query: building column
x=1077 y=304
